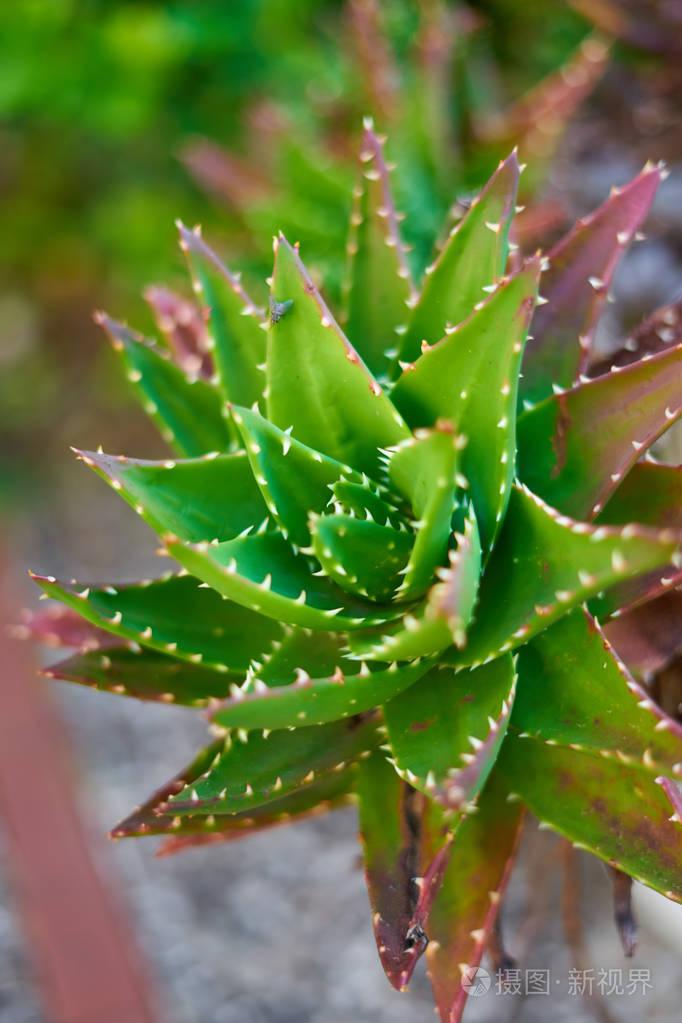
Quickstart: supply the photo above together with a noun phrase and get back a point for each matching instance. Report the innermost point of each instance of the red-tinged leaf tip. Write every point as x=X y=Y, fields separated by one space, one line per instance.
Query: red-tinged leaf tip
x=580 y=269
x=673 y=793
x=38 y=578
x=119 y=333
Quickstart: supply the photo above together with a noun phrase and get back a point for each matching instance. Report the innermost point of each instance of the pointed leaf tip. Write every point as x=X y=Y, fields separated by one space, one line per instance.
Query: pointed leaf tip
x=576 y=283
x=313 y=372
x=473 y=257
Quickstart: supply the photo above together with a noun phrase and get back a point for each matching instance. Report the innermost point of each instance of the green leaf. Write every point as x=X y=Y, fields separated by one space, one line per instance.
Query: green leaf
x=424 y=470
x=234 y=323
x=317 y=383
x=445 y=732
x=573 y=692
x=378 y=286
x=187 y=411
x=360 y=555
x=389 y=832
x=465 y=907
x=207 y=498
x=613 y=810
x=263 y=573
x=575 y=285
x=473 y=258
x=577 y=446
x=174 y=615
x=295 y=479
x=364 y=501
x=329 y=792
x=351 y=689
x=144 y=674
x=318 y=653
x=543 y=565
x=470 y=378
x=442 y=619
x=257 y=768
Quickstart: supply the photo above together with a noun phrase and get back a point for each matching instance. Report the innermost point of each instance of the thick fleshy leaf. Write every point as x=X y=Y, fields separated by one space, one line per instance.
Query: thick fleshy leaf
x=575 y=285
x=649 y=637
x=577 y=446
x=389 y=832
x=651 y=493
x=144 y=820
x=614 y=810
x=259 y=768
x=329 y=792
x=465 y=906
x=443 y=618
x=263 y=573
x=470 y=378
x=378 y=288
x=317 y=383
x=544 y=564
x=182 y=325
x=367 y=501
x=574 y=692
x=317 y=653
x=236 y=339
x=351 y=689
x=472 y=259
x=207 y=498
x=188 y=411
x=446 y=731
x=360 y=555
x=174 y=615
x=661 y=330
x=634 y=593
x=424 y=470
x=295 y=480
x=144 y=674
x=60 y=626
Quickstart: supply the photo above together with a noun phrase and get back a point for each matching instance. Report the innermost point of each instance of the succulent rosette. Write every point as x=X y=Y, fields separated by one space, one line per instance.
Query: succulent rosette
x=408 y=544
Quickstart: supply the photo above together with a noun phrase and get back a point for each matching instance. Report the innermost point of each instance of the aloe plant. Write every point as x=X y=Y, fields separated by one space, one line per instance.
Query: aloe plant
x=398 y=560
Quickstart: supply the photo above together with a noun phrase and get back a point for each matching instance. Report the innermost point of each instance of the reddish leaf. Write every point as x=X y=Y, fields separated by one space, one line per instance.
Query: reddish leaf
x=648 y=637
x=389 y=830
x=183 y=327
x=466 y=905
x=577 y=446
x=576 y=284
x=659 y=331
x=59 y=626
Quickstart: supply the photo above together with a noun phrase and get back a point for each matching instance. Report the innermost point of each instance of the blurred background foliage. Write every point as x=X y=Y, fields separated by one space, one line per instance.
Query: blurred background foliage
x=118 y=117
